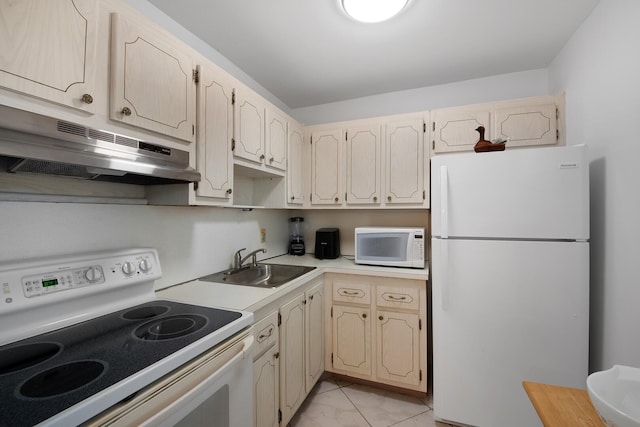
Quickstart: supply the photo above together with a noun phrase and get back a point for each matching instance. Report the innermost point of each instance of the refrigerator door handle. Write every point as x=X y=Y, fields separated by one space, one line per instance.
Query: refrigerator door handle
x=444 y=201
x=444 y=271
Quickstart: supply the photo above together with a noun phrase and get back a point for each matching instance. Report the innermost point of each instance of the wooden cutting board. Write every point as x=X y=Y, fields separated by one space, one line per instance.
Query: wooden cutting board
x=562 y=406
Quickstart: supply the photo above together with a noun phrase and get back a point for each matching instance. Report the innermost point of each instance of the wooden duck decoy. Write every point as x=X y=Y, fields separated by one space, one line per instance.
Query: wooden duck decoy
x=483 y=145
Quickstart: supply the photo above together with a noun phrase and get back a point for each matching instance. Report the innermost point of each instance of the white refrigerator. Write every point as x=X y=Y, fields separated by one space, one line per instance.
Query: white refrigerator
x=510 y=280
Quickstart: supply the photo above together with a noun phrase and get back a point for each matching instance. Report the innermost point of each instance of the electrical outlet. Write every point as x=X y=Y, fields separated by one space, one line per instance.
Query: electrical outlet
x=263 y=235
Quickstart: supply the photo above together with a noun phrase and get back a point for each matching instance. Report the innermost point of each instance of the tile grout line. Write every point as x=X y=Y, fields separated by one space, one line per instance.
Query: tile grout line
x=355 y=406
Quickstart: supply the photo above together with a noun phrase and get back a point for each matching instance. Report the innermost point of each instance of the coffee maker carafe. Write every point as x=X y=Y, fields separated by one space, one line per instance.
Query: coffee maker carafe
x=296 y=235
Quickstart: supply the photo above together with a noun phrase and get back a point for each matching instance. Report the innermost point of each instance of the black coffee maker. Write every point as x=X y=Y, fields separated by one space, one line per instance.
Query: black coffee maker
x=296 y=233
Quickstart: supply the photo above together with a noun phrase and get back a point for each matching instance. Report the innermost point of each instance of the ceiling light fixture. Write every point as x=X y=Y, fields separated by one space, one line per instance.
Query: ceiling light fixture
x=373 y=10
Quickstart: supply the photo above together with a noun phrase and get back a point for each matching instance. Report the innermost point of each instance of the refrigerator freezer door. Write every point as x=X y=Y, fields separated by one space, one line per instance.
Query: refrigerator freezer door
x=506 y=312
x=540 y=193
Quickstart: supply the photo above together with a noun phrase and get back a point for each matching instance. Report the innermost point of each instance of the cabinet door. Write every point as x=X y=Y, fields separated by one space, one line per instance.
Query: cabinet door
x=295 y=175
x=454 y=129
x=249 y=135
x=527 y=125
x=363 y=165
x=314 y=341
x=398 y=347
x=49 y=50
x=266 y=371
x=405 y=162
x=326 y=167
x=292 y=348
x=152 y=79
x=276 y=140
x=215 y=132
x=351 y=339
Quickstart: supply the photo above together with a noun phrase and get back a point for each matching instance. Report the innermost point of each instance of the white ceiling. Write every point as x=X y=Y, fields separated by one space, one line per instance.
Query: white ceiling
x=309 y=52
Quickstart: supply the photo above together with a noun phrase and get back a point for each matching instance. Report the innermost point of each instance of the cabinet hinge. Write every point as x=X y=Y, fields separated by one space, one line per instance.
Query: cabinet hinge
x=433 y=126
x=557 y=134
x=557 y=114
x=196 y=76
x=419 y=324
x=331 y=359
x=233 y=144
x=311 y=140
x=279 y=416
x=195 y=186
x=233 y=97
x=279 y=319
x=346 y=137
x=331 y=316
x=193 y=129
x=433 y=145
x=345 y=196
x=311 y=197
x=424 y=127
x=420 y=375
x=424 y=194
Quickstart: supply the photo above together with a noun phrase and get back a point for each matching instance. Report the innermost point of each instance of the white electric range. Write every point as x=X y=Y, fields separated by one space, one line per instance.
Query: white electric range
x=84 y=336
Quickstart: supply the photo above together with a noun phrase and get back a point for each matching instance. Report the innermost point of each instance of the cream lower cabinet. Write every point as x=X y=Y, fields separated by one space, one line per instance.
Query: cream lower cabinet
x=378 y=329
x=266 y=372
x=301 y=348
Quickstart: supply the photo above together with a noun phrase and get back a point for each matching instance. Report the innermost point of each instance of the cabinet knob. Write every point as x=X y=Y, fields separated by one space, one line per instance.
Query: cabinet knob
x=336 y=200
x=293 y=198
x=271 y=160
x=87 y=99
x=388 y=198
x=126 y=111
x=304 y=302
x=311 y=297
x=276 y=355
x=380 y=317
x=375 y=198
x=229 y=191
x=364 y=315
x=261 y=156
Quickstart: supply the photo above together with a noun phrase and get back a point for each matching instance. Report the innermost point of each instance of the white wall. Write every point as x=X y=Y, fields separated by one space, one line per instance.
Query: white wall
x=487 y=89
x=599 y=69
x=191 y=241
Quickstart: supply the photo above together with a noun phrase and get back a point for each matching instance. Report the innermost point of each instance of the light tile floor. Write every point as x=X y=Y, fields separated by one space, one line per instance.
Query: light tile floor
x=335 y=403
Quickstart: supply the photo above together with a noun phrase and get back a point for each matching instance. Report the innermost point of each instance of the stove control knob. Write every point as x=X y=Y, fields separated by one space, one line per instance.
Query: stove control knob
x=144 y=265
x=93 y=274
x=128 y=268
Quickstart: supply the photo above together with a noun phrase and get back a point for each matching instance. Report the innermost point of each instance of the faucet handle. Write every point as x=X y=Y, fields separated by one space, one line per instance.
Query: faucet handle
x=237 y=258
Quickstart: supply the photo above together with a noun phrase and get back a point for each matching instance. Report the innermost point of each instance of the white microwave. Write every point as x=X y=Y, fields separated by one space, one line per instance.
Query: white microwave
x=390 y=246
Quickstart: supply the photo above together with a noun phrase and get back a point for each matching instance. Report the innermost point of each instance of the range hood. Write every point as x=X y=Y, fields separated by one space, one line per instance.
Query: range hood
x=34 y=144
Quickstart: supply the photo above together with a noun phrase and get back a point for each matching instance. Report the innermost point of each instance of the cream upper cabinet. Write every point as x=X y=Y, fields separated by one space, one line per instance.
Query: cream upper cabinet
x=295 y=166
x=49 y=50
x=249 y=132
x=215 y=134
x=521 y=122
x=406 y=163
x=533 y=124
x=276 y=140
x=363 y=169
x=378 y=329
x=152 y=79
x=454 y=129
x=326 y=167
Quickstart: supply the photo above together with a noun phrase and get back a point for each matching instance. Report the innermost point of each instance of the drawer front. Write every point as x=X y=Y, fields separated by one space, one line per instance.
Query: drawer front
x=266 y=334
x=406 y=298
x=355 y=293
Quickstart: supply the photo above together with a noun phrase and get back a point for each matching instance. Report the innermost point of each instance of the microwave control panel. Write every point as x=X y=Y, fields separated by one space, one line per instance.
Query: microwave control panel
x=418 y=247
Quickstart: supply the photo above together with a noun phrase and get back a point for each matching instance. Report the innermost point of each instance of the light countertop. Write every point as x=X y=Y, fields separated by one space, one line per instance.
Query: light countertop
x=248 y=298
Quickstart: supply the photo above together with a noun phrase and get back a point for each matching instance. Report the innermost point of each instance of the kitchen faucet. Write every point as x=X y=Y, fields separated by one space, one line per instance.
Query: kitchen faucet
x=238 y=260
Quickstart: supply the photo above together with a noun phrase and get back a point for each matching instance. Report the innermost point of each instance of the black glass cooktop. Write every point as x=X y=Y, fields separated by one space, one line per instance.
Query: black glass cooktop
x=46 y=374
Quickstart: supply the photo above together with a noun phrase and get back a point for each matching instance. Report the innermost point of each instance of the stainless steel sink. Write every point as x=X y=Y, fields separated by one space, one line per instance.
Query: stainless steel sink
x=260 y=275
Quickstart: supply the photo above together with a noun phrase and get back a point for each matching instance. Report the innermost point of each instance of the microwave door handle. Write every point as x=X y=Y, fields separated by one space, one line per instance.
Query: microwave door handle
x=444 y=201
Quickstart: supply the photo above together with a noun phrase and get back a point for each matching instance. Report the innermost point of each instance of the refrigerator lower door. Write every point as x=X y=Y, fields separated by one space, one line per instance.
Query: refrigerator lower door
x=506 y=312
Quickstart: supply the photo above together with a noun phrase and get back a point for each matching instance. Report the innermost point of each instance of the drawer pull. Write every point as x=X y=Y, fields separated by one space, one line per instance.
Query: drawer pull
x=402 y=298
x=267 y=335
